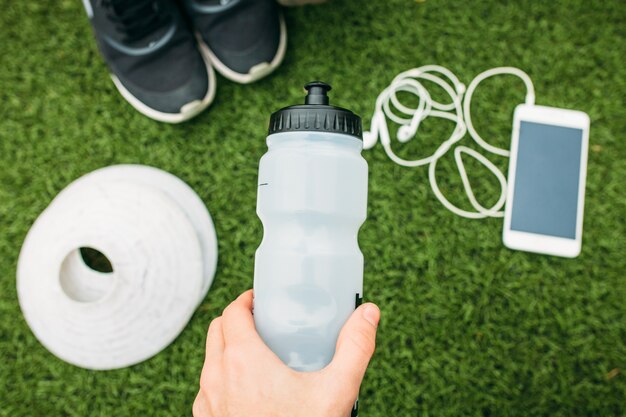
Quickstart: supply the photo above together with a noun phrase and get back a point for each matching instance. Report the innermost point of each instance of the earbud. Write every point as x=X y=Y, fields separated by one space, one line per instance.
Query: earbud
x=369 y=139
x=405 y=133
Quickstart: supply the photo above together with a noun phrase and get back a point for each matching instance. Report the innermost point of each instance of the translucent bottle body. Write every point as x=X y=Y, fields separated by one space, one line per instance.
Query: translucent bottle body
x=312 y=200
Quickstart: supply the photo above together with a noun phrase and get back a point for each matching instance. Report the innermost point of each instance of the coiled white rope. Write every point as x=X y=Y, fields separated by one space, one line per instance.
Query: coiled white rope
x=389 y=106
x=160 y=241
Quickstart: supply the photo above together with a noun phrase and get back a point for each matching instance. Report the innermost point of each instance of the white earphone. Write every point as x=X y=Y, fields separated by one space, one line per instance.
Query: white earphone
x=388 y=106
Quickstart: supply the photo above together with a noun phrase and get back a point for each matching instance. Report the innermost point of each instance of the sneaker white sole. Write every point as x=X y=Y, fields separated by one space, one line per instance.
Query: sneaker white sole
x=256 y=72
x=187 y=111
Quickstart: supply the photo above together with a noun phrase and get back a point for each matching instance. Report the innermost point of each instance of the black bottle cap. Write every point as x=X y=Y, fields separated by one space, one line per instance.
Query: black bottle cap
x=316 y=115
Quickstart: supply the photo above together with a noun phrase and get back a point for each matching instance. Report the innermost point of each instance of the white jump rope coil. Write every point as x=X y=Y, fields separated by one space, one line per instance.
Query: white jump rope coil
x=388 y=106
x=161 y=243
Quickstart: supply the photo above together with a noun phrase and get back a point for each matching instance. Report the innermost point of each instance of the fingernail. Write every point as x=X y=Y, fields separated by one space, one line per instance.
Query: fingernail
x=371 y=313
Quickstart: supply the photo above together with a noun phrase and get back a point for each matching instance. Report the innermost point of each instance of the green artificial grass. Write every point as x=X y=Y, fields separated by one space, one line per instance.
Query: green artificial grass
x=469 y=328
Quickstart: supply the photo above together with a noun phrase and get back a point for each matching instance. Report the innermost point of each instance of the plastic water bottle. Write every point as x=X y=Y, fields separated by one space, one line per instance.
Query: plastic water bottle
x=312 y=200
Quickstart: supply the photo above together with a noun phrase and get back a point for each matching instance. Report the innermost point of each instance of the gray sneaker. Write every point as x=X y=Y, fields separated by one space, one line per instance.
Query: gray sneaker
x=153 y=57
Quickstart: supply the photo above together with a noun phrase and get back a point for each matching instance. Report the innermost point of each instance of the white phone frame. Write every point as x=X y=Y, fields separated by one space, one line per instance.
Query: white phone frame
x=533 y=242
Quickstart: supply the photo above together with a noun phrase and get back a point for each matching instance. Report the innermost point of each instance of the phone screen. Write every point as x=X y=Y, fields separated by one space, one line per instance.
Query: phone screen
x=547 y=175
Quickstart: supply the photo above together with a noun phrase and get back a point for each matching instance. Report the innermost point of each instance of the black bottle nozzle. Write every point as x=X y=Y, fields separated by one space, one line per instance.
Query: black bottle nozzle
x=317 y=93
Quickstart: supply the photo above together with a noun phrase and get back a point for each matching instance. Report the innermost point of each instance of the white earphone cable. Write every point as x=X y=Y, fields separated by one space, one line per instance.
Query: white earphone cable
x=388 y=106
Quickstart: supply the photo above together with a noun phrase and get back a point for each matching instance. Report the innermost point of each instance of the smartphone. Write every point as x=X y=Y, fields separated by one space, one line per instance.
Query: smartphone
x=547 y=171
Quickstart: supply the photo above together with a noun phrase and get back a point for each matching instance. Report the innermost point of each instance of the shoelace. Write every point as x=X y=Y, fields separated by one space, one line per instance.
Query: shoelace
x=136 y=18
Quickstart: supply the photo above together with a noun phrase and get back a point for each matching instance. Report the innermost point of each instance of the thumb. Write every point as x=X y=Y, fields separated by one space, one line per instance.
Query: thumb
x=355 y=345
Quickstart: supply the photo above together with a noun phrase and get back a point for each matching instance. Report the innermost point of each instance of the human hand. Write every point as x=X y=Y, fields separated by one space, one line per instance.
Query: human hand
x=242 y=377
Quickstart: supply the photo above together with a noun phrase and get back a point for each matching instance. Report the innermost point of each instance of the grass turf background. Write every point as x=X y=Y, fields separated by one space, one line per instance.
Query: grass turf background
x=468 y=327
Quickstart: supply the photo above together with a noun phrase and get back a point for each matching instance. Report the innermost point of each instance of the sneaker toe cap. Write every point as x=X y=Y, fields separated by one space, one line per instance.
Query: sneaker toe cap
x=184 y=98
